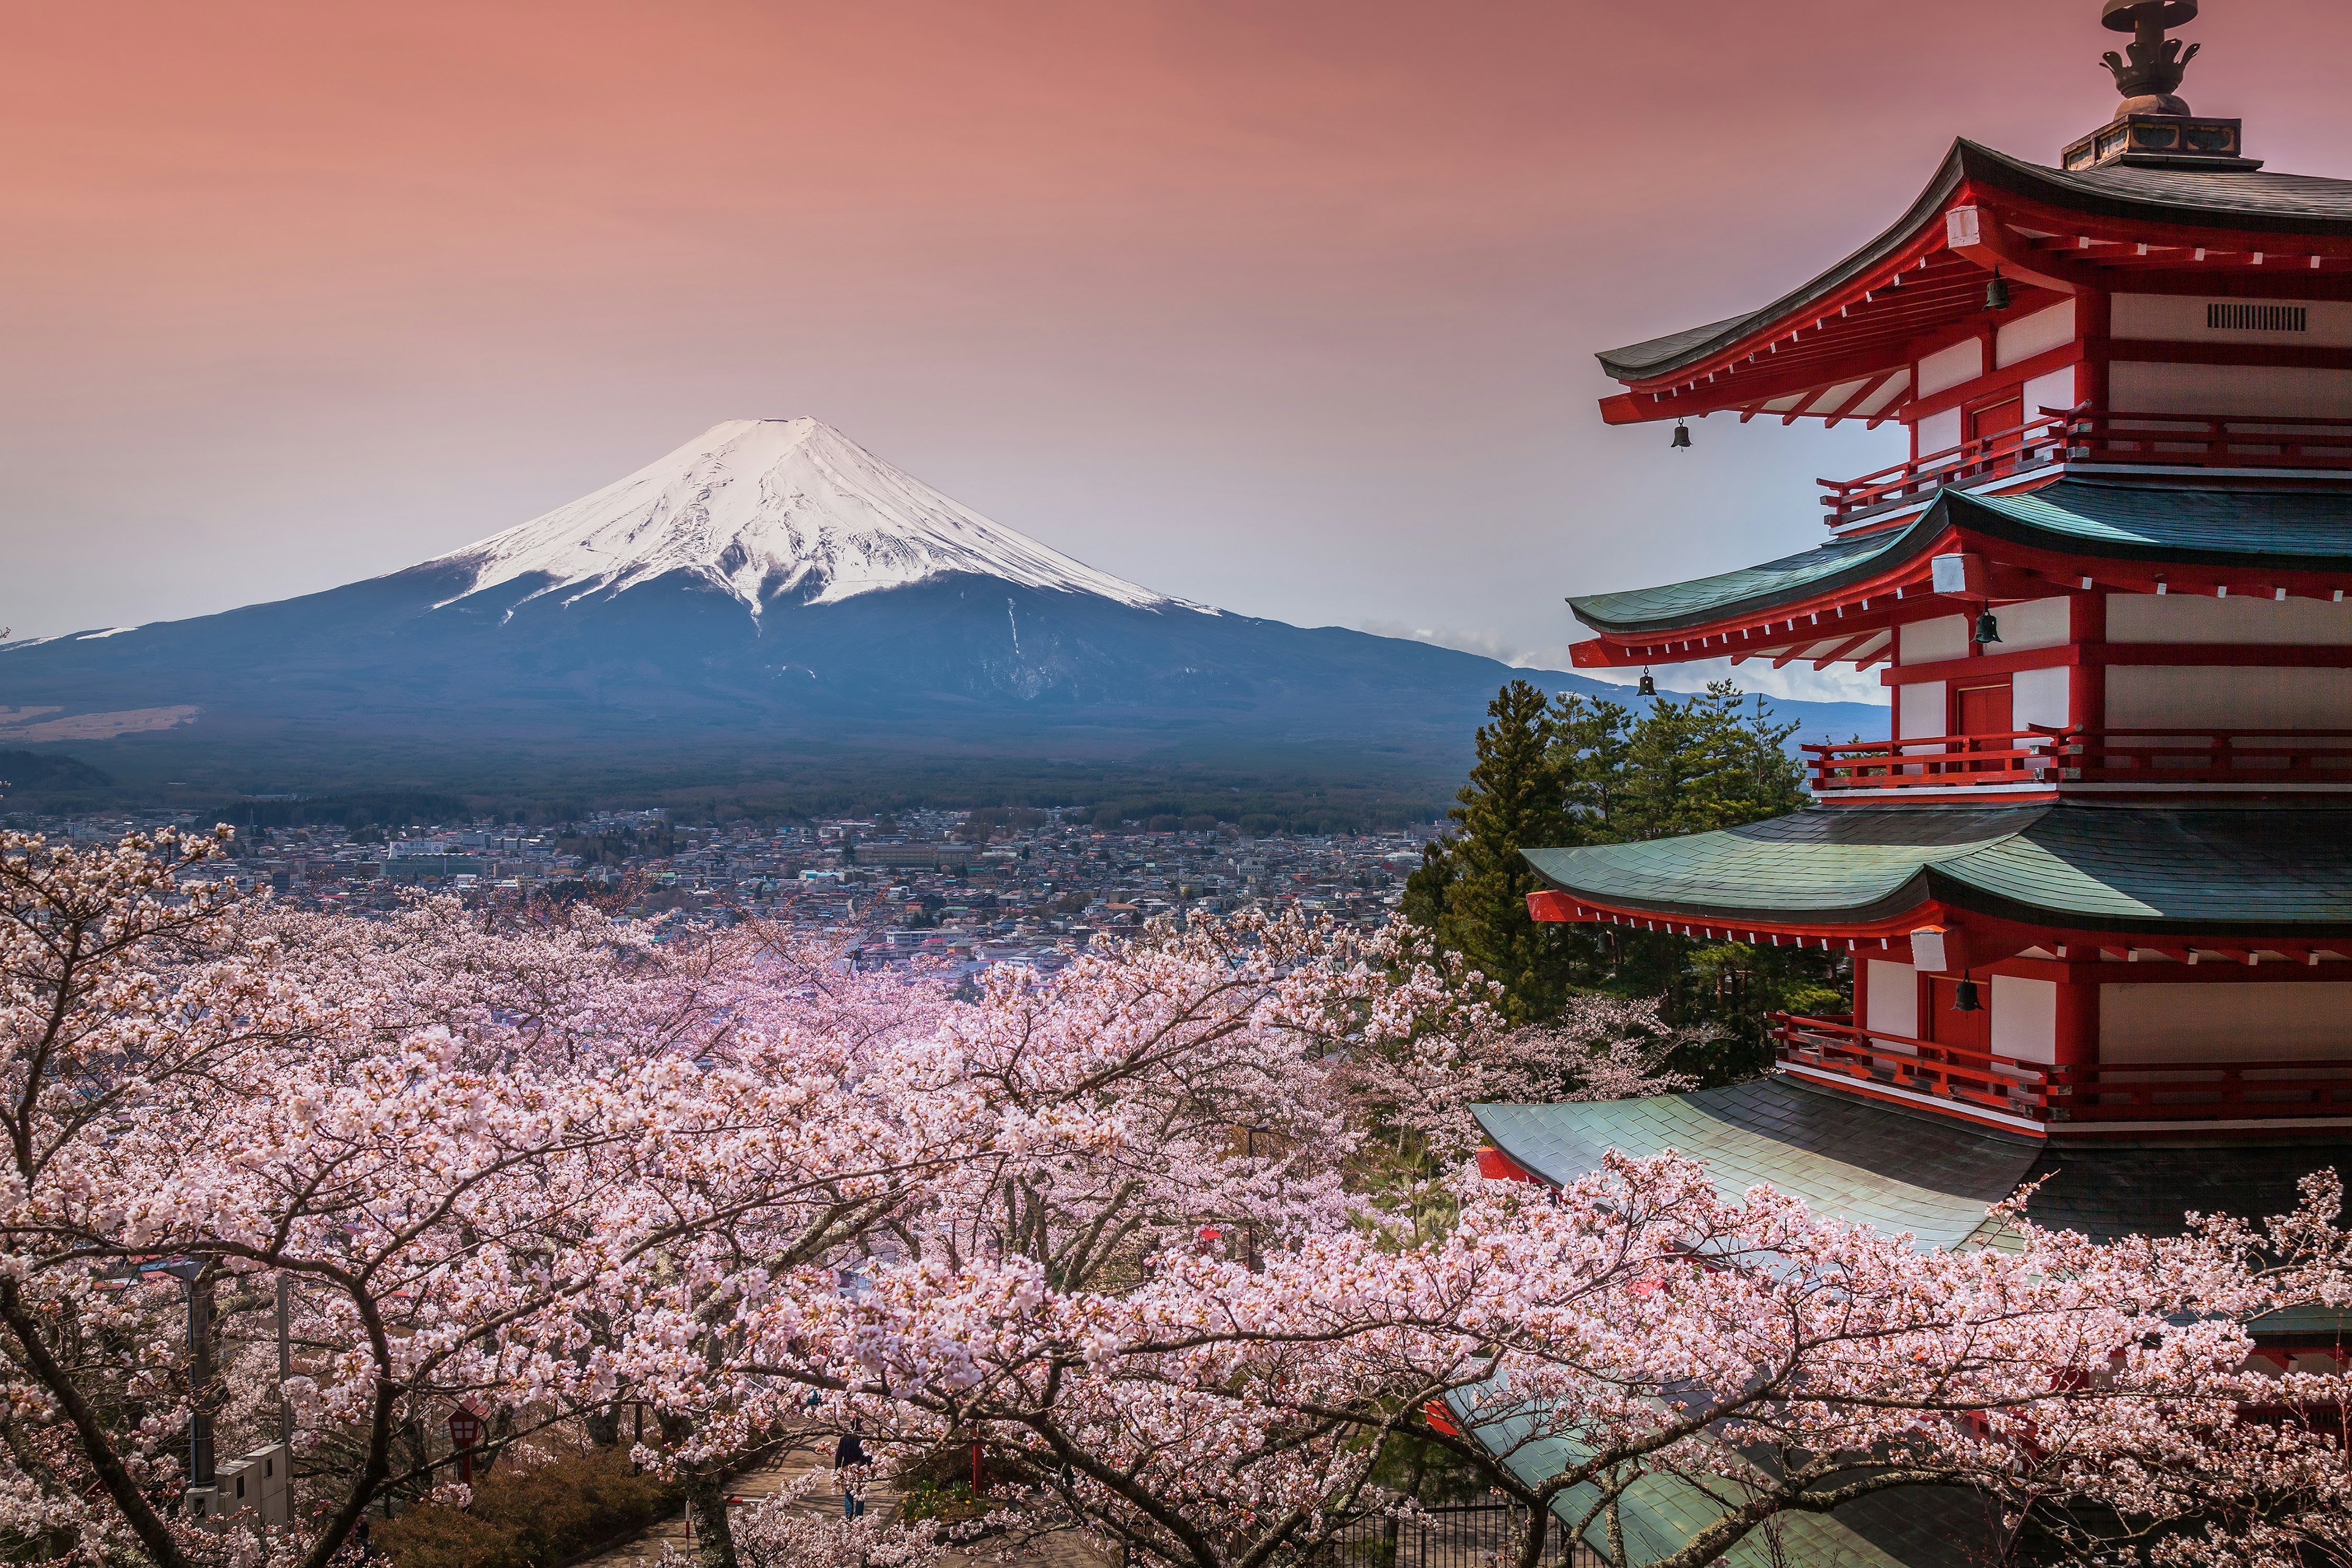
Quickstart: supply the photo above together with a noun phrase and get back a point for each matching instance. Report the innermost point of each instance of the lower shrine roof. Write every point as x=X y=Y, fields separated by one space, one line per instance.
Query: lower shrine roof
x=1896 y=1172
x=1899 y=1171
x=2227 y=871
x=1889 y=1169
x=2218 y=526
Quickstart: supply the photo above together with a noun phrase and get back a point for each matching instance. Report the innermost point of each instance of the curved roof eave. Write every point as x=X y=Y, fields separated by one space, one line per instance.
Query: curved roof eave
x=1841 y=564
x=1658 y=356
x=2283 y=872
x=2087 y=519
x=2270 y=203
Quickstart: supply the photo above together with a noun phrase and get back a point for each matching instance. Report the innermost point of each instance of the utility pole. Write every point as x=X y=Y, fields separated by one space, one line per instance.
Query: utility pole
x=194 y=1273
x=285 y=1360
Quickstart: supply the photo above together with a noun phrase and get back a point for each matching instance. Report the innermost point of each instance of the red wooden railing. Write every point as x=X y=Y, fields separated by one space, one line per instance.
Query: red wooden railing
x=1922 y=1066
x=2037 y=442
x=2206 y=442
x=2038 y=1091
x=2157 y=758
x=2165 y=757
x=1935 y=762
x=2088 y=435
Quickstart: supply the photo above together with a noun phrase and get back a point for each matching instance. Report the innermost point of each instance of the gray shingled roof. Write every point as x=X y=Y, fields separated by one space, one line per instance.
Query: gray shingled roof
x=1897 y=1171
x=2201 y=526
x=1931 y=1177
x=2275 y=204
x=2280 y=871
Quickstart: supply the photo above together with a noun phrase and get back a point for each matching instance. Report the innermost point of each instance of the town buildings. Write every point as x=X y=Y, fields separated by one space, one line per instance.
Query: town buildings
x=924 y=886
x=2095 y=885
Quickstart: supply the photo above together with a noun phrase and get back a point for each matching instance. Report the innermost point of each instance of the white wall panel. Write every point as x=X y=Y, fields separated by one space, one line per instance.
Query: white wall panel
x=1946 y=368
x=2039 y=696
x=2137 y=386
x=2030 y=335
x=1892 y=990
x=2024 y=1018
x=2180 y=318
x=2242 y=622
x=2177 y=696
x=1926 y=642
x=2230 y=1021
x=1921 y=708
x=2055 y=390
x=1938 y=433
x=2034 y=623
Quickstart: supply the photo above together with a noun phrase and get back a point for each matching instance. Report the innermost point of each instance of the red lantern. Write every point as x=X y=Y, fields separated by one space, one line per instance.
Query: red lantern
x=466 y=1433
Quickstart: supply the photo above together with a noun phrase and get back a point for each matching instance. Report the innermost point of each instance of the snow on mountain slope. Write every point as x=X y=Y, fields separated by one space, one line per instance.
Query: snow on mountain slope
x=763 y=507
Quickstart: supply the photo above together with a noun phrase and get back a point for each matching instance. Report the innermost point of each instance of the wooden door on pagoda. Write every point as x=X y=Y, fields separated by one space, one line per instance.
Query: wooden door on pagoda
x=1993 y=419
x=1947 y=1025
x=1984 y=707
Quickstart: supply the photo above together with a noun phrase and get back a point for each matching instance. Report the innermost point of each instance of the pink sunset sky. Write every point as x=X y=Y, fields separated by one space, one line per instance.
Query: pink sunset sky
x=1287 y=306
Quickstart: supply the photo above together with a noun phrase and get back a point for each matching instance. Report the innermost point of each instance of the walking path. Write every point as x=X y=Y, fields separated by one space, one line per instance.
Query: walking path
x=798 y=1458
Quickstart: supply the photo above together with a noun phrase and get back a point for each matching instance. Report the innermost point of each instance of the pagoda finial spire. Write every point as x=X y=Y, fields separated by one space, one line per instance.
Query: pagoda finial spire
x=2148 y=78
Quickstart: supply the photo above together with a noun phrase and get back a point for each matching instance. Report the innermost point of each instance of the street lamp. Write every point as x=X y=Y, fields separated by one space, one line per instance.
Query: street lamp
x=466 y=1433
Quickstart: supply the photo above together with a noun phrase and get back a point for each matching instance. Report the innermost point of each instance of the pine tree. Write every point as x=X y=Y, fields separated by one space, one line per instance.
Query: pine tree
x=1477 y=889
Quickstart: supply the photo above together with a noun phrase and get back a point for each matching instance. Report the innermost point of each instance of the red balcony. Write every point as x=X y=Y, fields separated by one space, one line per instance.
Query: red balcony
x=2090 y=439
x=2037 y=1091
x=2155 y=759
x=2162 y=758
x=2037 y=444
x=2166 y=440
x=1933 y=762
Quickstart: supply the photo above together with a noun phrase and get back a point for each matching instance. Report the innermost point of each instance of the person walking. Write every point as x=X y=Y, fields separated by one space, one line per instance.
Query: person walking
x=849 y=1455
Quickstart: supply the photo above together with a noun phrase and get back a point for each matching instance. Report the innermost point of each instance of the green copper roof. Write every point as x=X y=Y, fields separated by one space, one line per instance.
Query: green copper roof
x=1911 y=1527
x=2244 y=871
x=2309 y=530
x=1704 y=600
x=1900 y=1171
x=2231 y=200
x=2294 y=529
x=1932 y=1176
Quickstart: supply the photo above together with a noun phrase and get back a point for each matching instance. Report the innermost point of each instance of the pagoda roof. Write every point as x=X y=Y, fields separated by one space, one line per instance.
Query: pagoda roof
x=2223 y=528
x=1900 y=1171
x=2247 y=871
x=1818 y=348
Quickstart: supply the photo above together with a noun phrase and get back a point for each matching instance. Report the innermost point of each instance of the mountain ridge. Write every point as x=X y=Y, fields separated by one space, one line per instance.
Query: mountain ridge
x=764 y=593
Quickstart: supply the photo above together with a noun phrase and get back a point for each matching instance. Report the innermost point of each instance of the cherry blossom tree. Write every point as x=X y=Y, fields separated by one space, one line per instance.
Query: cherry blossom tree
x=1131 y=1229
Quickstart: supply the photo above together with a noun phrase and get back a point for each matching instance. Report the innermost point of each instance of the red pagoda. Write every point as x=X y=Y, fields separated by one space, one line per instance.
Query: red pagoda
x=2096 y=882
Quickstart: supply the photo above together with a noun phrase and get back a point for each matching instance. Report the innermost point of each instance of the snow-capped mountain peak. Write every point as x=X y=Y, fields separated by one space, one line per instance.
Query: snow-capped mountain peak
x=761 y=508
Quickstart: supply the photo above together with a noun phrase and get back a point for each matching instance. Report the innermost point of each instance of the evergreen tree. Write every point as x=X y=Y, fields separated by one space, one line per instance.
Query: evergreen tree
x=1475 y=891
x=1586 y=771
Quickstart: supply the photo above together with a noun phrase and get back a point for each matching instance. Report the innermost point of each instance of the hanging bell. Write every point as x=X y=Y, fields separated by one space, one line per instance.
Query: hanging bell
x=1649 y=686
x=1997 y=293
x=1682 y=435
x=1987 y=628
x=1964 y=998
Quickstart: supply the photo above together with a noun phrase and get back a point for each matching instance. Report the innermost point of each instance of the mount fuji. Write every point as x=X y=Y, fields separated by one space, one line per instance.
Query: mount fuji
x=766 y=596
